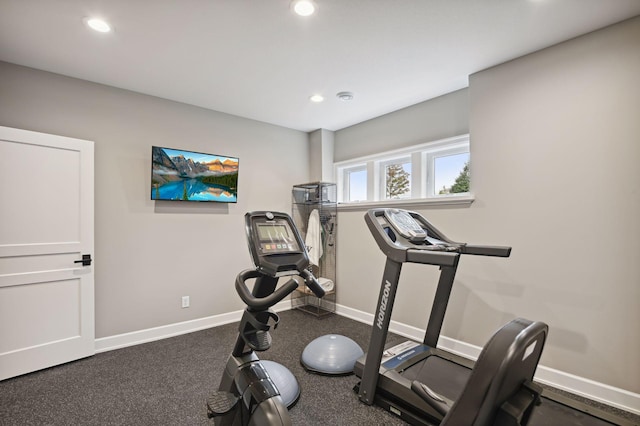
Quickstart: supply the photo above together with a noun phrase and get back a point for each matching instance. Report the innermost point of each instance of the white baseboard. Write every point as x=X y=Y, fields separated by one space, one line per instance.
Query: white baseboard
x=615 y=397
x=596 y=391
x=158 y=333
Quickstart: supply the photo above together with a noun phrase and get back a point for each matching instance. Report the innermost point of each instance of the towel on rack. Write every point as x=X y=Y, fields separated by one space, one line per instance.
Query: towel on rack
x=313 y=240
x=325 y=283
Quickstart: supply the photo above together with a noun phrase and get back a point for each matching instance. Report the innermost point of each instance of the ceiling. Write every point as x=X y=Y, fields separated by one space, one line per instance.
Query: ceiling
x=256 y=59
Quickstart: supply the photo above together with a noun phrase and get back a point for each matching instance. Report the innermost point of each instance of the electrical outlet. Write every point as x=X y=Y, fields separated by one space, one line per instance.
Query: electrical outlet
x=185 y=301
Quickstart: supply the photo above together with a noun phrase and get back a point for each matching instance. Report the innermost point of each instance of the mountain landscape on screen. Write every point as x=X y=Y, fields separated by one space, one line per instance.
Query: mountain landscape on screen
x=181 y=175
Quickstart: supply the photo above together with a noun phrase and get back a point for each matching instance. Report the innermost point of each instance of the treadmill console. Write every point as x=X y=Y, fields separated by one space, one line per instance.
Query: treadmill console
x=275 y=244
x=407 y=236
x=405 y=225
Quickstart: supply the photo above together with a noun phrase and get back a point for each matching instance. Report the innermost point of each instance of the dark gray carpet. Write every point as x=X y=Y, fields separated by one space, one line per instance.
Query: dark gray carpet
x=167 y=382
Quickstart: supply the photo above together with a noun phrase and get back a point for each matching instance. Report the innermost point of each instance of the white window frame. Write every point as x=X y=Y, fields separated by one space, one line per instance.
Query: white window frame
x=422 y=159
x=345 y=192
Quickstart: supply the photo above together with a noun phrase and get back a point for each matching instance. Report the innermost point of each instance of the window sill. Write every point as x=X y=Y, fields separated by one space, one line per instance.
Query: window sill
x=451 y=200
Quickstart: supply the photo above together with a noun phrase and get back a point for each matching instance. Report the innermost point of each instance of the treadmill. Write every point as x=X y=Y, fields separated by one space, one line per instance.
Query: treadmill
x=425 y=385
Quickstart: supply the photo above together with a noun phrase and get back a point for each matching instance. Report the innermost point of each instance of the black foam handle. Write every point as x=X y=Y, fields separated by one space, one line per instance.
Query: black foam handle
x=498 y=251
x=430 y=397
x=311 y=282
x=259 y=303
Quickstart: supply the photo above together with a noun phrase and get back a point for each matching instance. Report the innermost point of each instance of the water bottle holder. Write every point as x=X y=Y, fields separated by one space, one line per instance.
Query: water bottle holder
x=254 y=329
x=258 y=340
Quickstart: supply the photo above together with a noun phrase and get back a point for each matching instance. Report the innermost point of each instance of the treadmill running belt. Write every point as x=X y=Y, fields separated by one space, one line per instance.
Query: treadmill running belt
x=444 y=377
x=448 y=379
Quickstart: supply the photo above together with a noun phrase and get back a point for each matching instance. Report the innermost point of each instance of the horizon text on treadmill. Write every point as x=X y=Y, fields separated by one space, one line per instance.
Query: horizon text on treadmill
x=383 y=304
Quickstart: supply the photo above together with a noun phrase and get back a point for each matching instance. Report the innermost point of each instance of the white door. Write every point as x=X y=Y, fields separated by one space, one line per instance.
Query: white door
x=46 y=226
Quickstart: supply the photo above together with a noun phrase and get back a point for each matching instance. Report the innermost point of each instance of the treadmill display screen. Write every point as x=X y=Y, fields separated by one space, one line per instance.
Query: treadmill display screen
x=406 y=225
x=276 y=238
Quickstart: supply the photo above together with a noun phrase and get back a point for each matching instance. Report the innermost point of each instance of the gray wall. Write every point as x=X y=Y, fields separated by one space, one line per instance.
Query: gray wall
x=555 y=153
x=148 y=254
x=321 y=143
x=435 y=119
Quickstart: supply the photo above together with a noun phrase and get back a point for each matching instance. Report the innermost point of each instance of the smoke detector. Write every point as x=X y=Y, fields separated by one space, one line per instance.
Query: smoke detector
x=345 y=96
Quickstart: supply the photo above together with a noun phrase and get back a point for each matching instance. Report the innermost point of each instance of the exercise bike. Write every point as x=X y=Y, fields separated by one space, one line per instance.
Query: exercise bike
x=247 y=394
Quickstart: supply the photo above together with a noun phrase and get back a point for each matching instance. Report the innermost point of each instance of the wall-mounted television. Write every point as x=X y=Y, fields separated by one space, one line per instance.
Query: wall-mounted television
x=181 y=175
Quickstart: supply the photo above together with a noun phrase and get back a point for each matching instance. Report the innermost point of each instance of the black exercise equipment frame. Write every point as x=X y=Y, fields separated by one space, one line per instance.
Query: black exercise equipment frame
x=445 y=256
x=500 y=387
x=247 y=395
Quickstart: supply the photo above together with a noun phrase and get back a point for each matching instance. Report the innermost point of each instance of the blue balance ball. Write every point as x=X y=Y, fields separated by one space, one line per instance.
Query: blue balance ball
x=331 y=354
x=284 y=380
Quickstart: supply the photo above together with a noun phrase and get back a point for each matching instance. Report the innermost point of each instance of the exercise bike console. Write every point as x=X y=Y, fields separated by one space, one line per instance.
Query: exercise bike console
x=274 y=245
x=277 y=248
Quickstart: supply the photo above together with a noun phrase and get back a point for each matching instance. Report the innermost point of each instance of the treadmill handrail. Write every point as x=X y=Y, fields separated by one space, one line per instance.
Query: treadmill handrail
x=432 y=257
x=497 y=251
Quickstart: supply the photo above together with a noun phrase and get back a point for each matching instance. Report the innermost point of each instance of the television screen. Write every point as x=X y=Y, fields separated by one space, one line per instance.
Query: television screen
x=193 y=176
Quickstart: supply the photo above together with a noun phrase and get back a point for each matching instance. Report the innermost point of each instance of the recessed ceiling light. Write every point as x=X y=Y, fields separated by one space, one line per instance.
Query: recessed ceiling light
x=303 y=7
x=316 y=98
x=98 y=25
x=345 y=96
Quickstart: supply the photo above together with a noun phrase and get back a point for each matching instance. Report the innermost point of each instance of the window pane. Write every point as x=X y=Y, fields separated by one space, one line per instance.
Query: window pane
x=357 y=185
x=428 y=169
x=398 y=180
x=451 y=174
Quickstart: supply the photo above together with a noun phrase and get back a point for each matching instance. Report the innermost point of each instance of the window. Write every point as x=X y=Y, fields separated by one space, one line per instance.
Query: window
x=431 y=171
x=396 y=178
x=355 y=183
x=449 y=172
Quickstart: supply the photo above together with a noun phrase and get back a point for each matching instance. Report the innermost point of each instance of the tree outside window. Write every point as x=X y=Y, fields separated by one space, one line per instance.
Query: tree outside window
x=398 y=184
x=462 y=182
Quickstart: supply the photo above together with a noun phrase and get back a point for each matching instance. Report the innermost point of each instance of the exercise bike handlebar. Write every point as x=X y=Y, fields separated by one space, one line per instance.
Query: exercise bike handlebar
x=261 y=303
x=312 y=282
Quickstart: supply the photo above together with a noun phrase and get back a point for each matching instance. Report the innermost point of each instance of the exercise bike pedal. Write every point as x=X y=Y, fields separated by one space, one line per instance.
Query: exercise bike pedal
x=221 y=403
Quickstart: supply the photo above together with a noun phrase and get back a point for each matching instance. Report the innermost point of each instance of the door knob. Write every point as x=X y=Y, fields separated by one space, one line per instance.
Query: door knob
x=86 y=260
